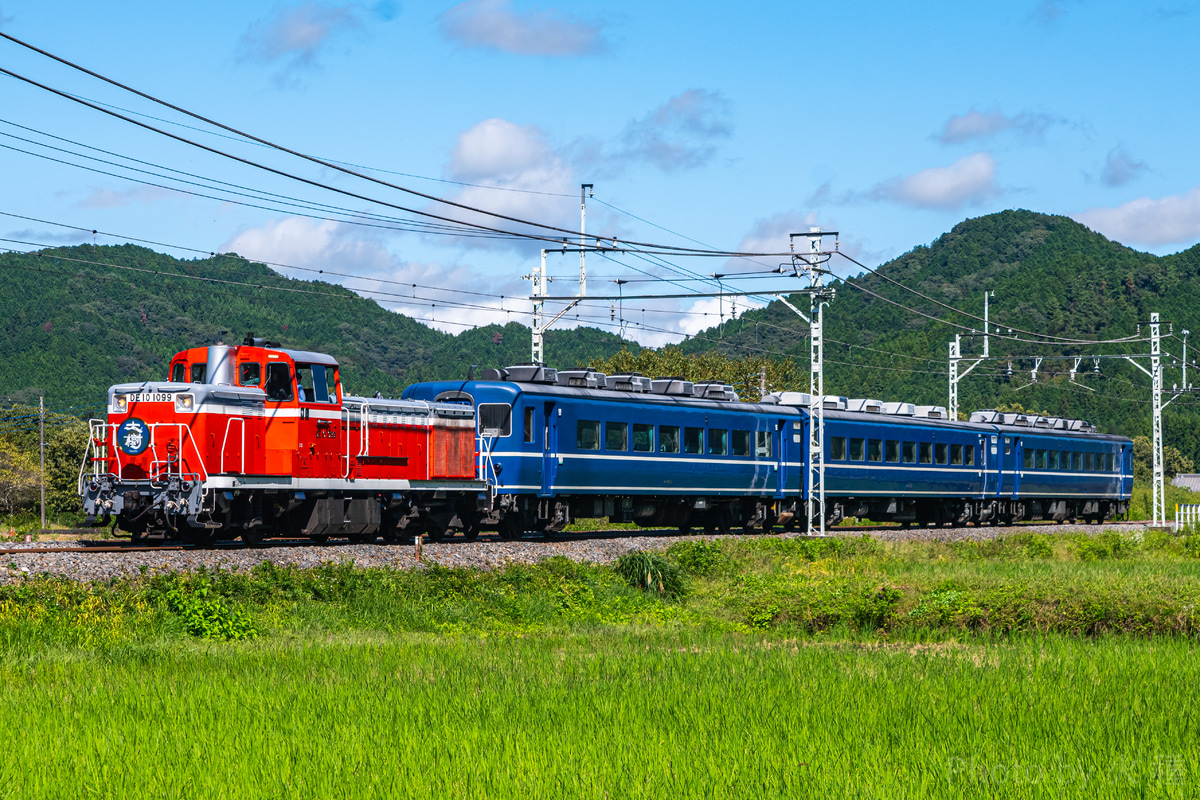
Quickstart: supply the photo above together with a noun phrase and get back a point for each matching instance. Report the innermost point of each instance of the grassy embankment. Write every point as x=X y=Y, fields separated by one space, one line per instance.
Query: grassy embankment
x=1057 y=666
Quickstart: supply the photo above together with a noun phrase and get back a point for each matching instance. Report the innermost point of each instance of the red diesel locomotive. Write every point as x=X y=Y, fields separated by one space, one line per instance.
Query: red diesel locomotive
x=255 y=440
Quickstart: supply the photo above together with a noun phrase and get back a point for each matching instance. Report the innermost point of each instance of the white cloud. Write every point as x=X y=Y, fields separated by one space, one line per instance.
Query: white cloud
x=139 y=195
x=385 y=278
x=1168 y=220
x=980 y=125
x=493 y=25
x=1120 y=167
x=965 y=182
x=298 y=33
x=520 y=176
x=680 y=134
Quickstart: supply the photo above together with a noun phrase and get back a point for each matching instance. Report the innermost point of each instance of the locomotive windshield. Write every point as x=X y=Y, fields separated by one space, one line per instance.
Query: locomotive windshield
x=315 y=382
x=279 y=382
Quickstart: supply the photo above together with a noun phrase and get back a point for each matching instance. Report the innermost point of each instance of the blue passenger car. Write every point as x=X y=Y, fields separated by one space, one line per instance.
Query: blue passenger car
x=558 y=445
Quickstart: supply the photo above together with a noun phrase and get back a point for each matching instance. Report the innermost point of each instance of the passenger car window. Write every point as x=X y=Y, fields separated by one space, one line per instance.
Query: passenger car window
x=939 y=453
x=495 y=419
x=856 y=449
x=1108 y=462
x=891 y=451
x=668 y=439
x=279 y=382
x=837 y=448
x=956 y=455
x=1087 y=462
x=587 y=434
x=874 y=450
x=910 y=452
x=926 y=452
x=250 y=374
x=616 y=436
x=643 y=438
x=970 y=454
x=740 y=443
x=718 y=441
x=693 y=439
x=528 y=417
x=1027 y=459
x=762 y=444
x=1077 y=461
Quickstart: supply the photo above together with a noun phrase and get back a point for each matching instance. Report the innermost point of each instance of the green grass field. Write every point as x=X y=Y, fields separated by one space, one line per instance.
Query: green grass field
x=1035 y=666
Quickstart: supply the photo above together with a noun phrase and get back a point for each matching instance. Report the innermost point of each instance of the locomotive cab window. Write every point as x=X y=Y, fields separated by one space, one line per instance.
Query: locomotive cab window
x=856 y=449
x=874 y=450
x=762 y=444
x=177 y=372
x=314 y=384
x=587 y=434
x=250 y=374
x=495 y=419
x=910 y=452
x=740 y=443
x=693 y=439
x=837 y=448
x=718 y=442
x=668 y=439
x=616 y=436
x=643 y=438
x=279 y=382
x=956 y=455
x=199 y=372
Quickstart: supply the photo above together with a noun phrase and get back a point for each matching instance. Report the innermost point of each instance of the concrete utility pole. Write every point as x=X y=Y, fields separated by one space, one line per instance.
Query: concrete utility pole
x=42 y=450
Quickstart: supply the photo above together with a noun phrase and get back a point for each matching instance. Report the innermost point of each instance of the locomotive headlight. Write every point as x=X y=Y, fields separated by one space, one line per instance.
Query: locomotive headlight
x=122 y=402
x=184 y=402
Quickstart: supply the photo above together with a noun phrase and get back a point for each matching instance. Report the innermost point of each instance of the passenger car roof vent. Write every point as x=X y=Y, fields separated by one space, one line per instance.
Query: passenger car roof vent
x=1019 y=420
x=1081 y=425
x=629 y=382
x=865 y=406
x=900 y=409
x=531 y=373
x=1041 y=422
x=988 y=415
x=581 y=378
x=931 y=412
x=832 y=401
x=676 y=386
x=715 y=391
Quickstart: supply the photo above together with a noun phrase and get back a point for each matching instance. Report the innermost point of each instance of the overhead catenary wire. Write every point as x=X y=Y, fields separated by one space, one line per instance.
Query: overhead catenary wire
x=318 y=161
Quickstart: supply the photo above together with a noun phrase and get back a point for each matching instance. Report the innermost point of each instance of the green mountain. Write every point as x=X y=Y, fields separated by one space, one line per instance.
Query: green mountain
x=1050 y=275
x=79 y=319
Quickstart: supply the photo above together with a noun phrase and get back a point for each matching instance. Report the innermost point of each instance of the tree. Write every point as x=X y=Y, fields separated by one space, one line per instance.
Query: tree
x=20 y=478
x=1174 y=462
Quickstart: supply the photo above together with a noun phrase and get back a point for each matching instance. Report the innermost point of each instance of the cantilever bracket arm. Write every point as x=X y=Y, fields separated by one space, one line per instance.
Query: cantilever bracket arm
x=560 y=314
x=788 y=303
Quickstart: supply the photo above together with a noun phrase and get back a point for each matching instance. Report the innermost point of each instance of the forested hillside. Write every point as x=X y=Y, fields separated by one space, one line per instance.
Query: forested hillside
x=79 y=319
x=1050 y=275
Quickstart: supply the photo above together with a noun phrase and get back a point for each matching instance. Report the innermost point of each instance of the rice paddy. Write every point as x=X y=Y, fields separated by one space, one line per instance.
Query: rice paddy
x=1047 y=667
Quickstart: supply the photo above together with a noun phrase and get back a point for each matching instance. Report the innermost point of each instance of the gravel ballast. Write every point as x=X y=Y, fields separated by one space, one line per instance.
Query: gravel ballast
x=485 y=553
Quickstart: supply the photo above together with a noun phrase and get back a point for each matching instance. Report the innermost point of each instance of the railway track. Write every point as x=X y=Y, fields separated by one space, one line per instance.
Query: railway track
x=117 y=546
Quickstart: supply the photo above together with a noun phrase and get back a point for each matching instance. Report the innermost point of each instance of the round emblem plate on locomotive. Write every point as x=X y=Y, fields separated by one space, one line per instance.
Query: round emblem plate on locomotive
x=133 y=436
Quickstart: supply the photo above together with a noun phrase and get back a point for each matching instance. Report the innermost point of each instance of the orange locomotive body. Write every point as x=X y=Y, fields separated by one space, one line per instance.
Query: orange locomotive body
x=255 y=440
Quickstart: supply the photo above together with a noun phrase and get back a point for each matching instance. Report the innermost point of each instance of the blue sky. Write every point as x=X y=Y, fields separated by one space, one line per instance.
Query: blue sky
x=696 y=122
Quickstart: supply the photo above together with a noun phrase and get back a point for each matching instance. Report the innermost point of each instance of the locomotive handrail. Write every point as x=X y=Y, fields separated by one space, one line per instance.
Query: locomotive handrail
x=95 y=434
x=224 y=441
x=108 y=438
x=364 y=441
